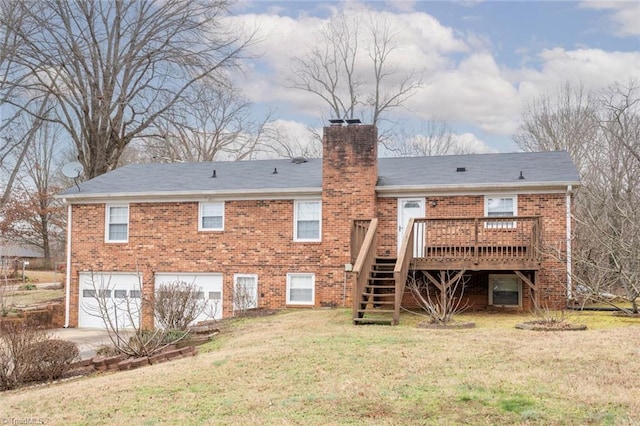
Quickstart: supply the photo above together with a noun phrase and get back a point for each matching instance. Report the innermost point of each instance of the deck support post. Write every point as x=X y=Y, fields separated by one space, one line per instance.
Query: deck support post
x=533 y=286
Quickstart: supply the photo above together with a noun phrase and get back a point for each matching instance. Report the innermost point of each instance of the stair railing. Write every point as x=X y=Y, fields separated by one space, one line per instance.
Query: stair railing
x=400 y=272
x=364 y=262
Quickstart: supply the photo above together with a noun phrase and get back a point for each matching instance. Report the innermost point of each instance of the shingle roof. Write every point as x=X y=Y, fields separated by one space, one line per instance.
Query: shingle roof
x=544 y=168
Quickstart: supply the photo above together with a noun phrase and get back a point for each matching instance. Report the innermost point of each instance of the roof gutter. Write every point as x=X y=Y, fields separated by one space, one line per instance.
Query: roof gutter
x=164 y=196
x=390 y=190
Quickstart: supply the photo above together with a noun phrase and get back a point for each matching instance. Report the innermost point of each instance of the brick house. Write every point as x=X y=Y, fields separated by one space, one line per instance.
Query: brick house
x=344 y=230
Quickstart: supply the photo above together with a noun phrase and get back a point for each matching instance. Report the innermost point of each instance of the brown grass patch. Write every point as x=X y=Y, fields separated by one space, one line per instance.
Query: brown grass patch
x=314 y=367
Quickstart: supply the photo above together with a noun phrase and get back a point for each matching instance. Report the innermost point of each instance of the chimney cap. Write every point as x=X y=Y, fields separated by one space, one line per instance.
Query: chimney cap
x=336 y=121
x=351 y=121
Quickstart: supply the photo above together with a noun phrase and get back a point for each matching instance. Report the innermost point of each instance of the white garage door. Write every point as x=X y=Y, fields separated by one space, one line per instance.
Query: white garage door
x=115 y=295
x=210 y=289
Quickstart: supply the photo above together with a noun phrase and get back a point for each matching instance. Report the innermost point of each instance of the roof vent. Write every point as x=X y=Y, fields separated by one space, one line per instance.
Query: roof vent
x=521 y=175
x=298 y=160
x=353 y=121
x=275 y=171
x=214 y=173
x=461 y=169
x=336 y=121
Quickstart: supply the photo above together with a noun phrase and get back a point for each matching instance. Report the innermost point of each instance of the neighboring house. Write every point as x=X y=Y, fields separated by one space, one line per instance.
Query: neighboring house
x=12 y=256
x=311 y=233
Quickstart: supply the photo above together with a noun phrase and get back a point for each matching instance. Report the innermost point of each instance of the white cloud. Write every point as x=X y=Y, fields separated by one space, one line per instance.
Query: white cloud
x=593 y=68
x=466 y=85
x=471 y=143
x=475 y=91
x=625 y=15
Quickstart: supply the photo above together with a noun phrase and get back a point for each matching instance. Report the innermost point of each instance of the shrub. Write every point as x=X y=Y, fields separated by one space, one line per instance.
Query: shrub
x=27 y=287
x=177 y=304
x=108 y=350
x=49 y=359
x=154 y=340
x=28 y=354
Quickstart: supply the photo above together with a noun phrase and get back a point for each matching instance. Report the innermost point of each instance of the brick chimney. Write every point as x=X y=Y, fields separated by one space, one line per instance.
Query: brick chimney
x=349 y=176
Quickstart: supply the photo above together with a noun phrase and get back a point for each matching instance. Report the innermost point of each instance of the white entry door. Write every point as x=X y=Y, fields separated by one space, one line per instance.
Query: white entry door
x=408 y=208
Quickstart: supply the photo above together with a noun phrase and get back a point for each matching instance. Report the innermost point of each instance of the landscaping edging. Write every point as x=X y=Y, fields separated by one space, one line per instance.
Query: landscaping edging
x=449 y=326
x=122 y=362
x=536 y=326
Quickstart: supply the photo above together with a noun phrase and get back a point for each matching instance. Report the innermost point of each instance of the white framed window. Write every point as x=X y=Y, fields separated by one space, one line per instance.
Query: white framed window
x=307 y=220
x=117 y=223
x=211 y=216
x=245 y=292
x=301 y=289
x=500 y=206
x=505 y=290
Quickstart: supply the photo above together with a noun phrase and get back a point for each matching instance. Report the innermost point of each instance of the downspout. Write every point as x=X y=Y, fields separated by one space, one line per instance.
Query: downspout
x=68 y=274
x=569 y=269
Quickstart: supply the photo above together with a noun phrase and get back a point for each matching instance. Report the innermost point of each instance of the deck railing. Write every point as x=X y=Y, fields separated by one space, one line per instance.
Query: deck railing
x=401 y=270
x=365 y=259
x=480 y=238
x=358 y=232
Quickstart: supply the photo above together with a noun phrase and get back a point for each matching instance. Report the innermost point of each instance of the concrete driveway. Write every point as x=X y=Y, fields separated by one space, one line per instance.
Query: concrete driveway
x=88 y=340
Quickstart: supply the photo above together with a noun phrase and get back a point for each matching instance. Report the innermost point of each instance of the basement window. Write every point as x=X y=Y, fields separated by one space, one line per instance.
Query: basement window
x=505 y=290
x=301 y=289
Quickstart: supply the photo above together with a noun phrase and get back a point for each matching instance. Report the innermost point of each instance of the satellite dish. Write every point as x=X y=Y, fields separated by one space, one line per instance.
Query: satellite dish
x=72 y=170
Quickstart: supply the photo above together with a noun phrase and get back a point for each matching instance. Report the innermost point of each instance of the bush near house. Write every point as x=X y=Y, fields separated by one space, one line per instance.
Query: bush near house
x=28 y=354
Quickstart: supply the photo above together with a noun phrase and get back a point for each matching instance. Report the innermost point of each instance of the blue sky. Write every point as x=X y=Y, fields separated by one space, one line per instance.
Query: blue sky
x=484 y=60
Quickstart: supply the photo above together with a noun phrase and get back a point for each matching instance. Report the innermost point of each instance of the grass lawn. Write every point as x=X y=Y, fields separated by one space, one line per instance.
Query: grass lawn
x=314 y=367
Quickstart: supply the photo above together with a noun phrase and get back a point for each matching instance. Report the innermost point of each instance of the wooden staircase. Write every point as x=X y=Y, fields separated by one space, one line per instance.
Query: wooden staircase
x=377 y=300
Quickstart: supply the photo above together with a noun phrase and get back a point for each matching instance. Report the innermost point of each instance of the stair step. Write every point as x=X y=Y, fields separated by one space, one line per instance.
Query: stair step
x=376 y=311
x=379 y=302
x=381 y=285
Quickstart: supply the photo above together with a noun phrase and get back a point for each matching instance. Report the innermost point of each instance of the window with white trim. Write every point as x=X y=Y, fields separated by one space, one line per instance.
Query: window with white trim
x=505 y=290
x=211 y=216
x=245 y=292
x=117 y=223
x=301 y=289
x=307 y=220
x=500 y=206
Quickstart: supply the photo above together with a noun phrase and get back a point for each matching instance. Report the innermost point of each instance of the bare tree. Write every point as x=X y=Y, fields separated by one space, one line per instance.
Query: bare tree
x=282 y=142
x=449 y=300
x=567 y=120
x=213 y=122
x=32 y=215
x=114 y=67
x=602 y=133
x=431 y=138
x=349 y=67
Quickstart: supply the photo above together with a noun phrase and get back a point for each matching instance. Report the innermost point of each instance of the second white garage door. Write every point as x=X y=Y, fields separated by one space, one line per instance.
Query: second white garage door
x=210 y=286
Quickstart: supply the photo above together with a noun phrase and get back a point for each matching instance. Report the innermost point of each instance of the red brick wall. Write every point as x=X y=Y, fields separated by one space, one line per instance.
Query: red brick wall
x=258 y=235
x=551 y=278
x=349 y=176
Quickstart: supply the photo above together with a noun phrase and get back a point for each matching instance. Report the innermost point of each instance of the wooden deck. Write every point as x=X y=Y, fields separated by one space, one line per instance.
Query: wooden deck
x=444 y=244
x=482 y=243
